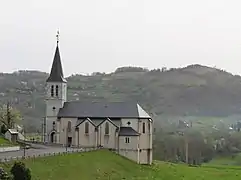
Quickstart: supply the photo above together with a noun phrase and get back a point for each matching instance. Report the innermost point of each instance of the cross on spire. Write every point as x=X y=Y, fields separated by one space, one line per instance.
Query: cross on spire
x=57 y=36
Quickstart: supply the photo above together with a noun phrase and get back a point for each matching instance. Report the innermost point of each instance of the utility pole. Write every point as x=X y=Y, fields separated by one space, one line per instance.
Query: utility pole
x=24 y=147
x=66 y=146
x=42 y=135
x=186 y=148
x=44 y=129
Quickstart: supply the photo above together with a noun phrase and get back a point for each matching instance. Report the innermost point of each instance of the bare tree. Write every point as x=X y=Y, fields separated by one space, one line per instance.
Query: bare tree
x=9 y=116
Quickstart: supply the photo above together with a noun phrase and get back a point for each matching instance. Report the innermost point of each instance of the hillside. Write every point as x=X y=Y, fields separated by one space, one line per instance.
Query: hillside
x=104 y=165
x=191 y=91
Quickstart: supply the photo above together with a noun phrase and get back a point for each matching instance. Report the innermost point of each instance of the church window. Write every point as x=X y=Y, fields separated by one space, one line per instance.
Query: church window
x=149 y=127
x=69 y=126
x=106 y=128
x=127 y=140
x=86 y=128
x=54 y=108
x=143 y=127
x=128 y=123
x=52 y=91
x=57 y=90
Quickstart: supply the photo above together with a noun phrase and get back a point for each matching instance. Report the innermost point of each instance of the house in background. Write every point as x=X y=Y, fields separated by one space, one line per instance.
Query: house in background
x=122 y=126
x=11 y=135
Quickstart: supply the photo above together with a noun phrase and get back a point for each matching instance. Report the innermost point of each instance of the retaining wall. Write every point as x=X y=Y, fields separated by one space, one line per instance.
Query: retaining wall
x=6 y=149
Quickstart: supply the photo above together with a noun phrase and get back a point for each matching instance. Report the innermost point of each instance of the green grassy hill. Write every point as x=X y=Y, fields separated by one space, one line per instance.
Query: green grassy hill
x=5 y=143
x=193 y=91
x=105 y=165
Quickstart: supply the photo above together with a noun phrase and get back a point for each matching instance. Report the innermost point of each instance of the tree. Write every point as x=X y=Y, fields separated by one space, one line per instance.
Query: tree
x=4 y=129
x=9 y=116
x=20 y=171
x=173 y=144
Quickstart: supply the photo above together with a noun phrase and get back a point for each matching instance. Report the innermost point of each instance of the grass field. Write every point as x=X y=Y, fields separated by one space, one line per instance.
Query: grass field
x=104 y=165
x=234 y=160
x=5 y=143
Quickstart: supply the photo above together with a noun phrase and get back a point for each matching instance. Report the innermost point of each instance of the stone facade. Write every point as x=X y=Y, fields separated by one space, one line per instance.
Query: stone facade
x=129 y=136
x=105 y=133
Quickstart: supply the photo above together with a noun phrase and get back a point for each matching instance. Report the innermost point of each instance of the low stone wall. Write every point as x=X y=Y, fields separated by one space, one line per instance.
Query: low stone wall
x=7 y=149
x=55 y=144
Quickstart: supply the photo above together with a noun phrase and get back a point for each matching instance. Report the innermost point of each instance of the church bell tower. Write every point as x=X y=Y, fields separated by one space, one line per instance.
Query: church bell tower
x=56 y=95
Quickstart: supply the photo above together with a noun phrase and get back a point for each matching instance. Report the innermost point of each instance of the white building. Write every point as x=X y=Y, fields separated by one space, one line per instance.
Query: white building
x=122 y=126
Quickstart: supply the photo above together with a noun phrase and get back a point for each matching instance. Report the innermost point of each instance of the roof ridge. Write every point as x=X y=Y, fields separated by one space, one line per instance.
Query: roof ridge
x=102 y=110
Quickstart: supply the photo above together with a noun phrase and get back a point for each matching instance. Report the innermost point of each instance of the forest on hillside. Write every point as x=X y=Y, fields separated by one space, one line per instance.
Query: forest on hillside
x=191 y=91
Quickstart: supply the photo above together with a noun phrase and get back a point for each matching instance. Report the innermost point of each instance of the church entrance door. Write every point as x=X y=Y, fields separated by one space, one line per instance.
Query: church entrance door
x=52 y=137
x=69 y=141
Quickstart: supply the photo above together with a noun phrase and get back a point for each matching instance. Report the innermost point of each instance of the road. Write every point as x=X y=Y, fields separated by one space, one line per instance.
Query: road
x=37 y=150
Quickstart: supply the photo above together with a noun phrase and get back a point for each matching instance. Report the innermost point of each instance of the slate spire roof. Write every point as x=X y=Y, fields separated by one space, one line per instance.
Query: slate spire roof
x=56 y=74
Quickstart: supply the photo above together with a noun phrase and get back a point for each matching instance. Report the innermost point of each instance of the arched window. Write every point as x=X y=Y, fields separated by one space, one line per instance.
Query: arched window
x=106 y=128
x=86 y=128
x=127 y=140
x=69 y=126
x=57 y=90
x=52 y=91
x=54 y=125
x=143 y=127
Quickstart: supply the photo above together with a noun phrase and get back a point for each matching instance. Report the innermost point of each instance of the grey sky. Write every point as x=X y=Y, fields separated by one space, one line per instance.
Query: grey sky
x=101 y=35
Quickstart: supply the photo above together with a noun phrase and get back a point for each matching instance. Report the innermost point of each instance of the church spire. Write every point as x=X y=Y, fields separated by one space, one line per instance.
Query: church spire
x=56 y=74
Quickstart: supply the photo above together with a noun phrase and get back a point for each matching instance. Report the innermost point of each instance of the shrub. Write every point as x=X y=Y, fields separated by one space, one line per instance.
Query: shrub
x=20 y=171
x=4 y=175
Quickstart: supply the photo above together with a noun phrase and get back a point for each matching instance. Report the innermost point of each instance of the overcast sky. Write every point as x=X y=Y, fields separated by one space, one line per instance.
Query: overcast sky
x=101 y=35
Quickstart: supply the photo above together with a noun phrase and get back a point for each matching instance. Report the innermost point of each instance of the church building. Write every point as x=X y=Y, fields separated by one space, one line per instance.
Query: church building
x=122 y=126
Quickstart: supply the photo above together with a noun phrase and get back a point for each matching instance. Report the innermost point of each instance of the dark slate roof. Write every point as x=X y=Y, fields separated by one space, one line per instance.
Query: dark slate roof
x=102 y=110
x=128 y=131
x=56 y=74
